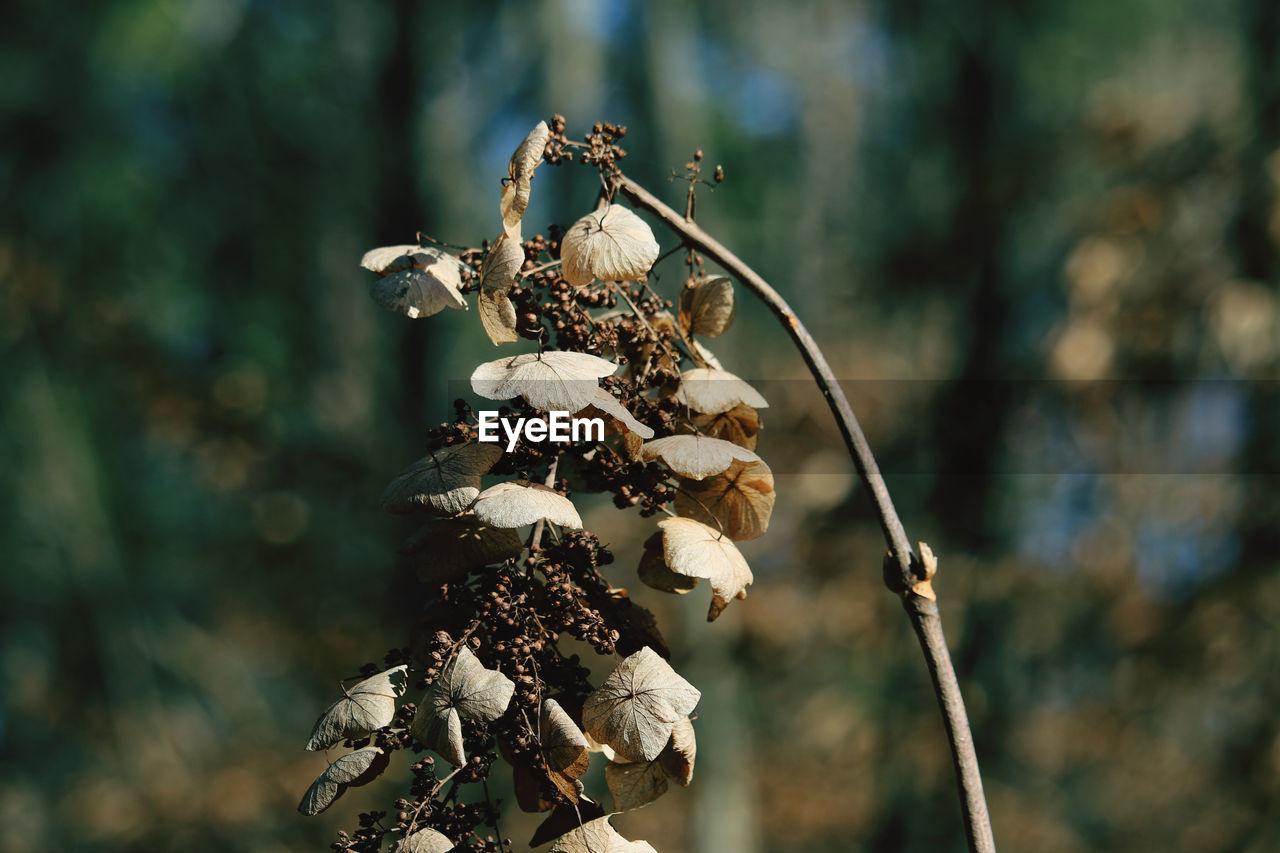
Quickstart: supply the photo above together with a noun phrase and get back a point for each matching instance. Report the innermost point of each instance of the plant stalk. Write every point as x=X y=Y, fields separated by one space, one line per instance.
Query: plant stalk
x=904 y=572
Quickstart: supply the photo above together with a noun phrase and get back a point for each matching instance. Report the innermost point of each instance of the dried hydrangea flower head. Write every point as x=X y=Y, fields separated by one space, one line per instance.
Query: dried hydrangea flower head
x=507 y=570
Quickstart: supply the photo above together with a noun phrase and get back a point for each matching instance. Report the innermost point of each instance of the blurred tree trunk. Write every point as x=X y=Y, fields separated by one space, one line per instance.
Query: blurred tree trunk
x=980 y=131
x=402 y=206
x=1257 y=253
x=1255 y=238
x=724 y=797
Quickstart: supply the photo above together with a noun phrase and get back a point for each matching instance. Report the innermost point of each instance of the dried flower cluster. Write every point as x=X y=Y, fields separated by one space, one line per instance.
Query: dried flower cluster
x=490 y=669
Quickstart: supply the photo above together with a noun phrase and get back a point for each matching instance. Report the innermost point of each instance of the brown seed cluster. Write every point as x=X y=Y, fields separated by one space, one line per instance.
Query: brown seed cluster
x=599 y=148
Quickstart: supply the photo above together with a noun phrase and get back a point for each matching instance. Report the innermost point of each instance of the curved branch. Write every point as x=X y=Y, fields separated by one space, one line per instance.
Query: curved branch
x=904 y=572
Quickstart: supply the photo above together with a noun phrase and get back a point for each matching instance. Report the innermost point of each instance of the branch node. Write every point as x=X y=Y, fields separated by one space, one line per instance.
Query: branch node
x=928 y=564
x=917 y=578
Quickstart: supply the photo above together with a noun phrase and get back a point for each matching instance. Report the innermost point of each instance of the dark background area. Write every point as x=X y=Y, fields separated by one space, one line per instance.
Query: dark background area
x=1038 y=239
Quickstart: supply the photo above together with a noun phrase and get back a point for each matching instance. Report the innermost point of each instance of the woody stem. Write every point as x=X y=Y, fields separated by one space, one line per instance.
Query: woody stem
x=904 y=572
x=549 y=482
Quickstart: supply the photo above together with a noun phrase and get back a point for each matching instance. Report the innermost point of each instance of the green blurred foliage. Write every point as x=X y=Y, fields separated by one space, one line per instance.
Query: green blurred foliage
x=1038 y=239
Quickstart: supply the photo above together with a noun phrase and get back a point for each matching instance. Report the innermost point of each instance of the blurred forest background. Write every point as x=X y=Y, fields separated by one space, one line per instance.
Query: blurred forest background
x=1039 y=239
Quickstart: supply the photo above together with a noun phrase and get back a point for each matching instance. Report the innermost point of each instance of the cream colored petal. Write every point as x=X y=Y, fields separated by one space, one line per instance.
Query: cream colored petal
x=653 y=569
x=440 y=730
x=381 y=259
x=425 y=840
x=713 y=391
x=607 y=404
x=514 y=504
x=636 y=707
x=393 y=259
x=528 y=155
x=694 y=549
x=515 y=200
x=598 y=836
x=564 y=745
x=416 y=293
x=677 y=759
x=612 y=244
x=518 y=186
x=497 y=316
x=477 y=692
x=444 y=482
x=502 y=264
x=464 y=690
x=549 y=381
x=695 y=456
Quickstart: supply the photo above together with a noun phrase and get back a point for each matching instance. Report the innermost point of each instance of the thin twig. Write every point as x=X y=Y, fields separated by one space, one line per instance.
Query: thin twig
x=535 y=540
x=688 y=343
x=904 y=572
x=621 y=290
x=542 y=268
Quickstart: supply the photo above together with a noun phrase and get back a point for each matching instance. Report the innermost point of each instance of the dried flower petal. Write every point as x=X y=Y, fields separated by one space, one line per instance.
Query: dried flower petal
x=602 y=748
x=636 y=707
x=515 y=201
x=446 y=549
x=564 y=748
x=692 y=548
x=695 y=456
x=604 y=403
x=425 y=840
x=528 y=155
x=421 y=292
x=497 y=316
x=515 y=193
x=466 y=690
x=549 y=381
x=632 y=444
x=350 y=771
x=502 y=264
x=713 y=391
x=444 y=482
x=707 y=308
x=633 y=785
x=598 y=836
x=612 y=244
x=515 y=504
x=653 y=569
x=741 y=500
x=740 y=425
x=368 y=706
x=566 y=817
x=386 y=260
x=497 y=275
x=677 y=759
